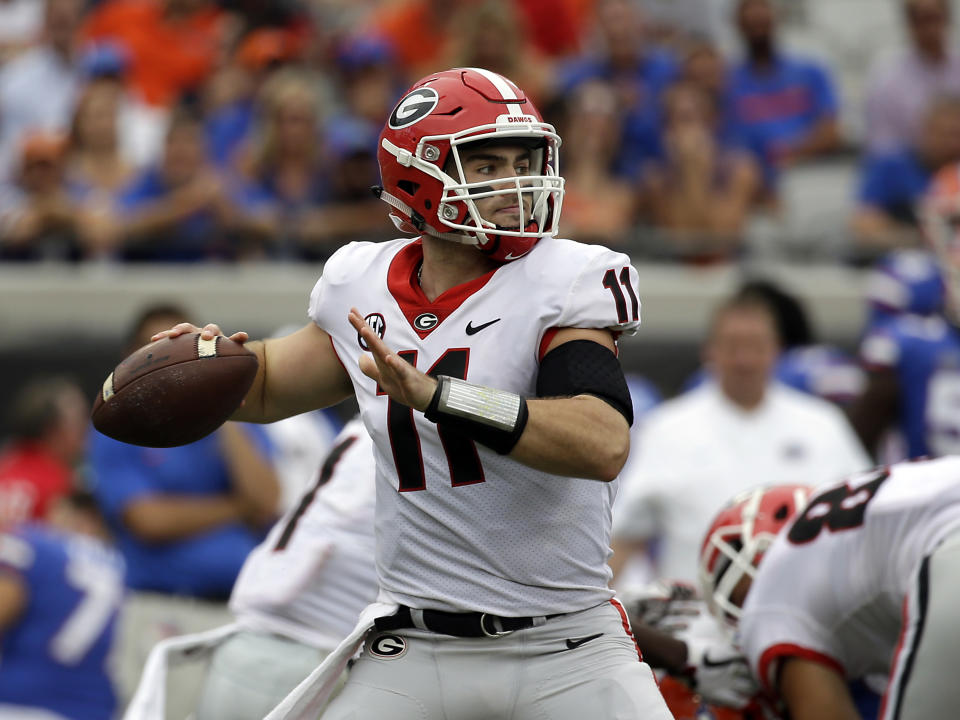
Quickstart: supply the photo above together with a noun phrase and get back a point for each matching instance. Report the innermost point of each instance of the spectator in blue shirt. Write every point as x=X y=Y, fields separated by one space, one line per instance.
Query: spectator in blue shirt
x=639 y=74
x=179 y=210
x=301 y=181
x=788 y=102
x=184 y=518
x=891 y=183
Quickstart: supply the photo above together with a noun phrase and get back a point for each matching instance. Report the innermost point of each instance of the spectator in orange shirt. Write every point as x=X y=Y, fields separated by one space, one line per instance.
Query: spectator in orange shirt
x=48 y=427
x=172 y=43
x=597 y=206
x=492 y=35
x=420 y=33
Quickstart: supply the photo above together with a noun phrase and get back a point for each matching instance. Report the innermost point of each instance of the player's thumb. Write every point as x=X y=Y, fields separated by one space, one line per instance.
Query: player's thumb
x=369 y=367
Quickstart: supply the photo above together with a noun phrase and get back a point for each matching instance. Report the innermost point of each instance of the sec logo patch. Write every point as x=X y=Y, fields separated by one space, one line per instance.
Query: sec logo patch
x=388 y=647
x=377 y=324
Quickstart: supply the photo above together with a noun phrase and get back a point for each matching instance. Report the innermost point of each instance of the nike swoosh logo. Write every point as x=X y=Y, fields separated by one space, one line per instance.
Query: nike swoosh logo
x=707 y=662
x=574 y=643
x=473 y=330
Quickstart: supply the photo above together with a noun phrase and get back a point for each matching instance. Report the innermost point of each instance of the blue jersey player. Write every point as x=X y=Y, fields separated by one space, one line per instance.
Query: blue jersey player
x=60 y=592
x=913 y=360
x=913 y=368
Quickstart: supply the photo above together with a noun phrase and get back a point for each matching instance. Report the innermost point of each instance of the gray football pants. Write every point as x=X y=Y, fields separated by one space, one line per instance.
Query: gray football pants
x=923 y=680
x=532 y=674
x=252 y=672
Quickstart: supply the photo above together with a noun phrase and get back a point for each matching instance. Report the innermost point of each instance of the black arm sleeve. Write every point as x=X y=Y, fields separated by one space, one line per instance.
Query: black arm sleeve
x=584 y=367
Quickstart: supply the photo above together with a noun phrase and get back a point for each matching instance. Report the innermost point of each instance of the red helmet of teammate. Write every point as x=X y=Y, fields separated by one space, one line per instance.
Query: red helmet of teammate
x=737 y=539
x=422 y=172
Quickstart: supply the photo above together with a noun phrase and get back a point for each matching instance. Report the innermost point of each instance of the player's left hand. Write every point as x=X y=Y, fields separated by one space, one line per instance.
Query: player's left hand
x=716 y=667
x=396 y=377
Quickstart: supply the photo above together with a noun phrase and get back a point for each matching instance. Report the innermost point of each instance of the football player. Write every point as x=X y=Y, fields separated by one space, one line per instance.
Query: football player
x=482 y=353
x=703 y=674
x=298 y=595
x=859 y=582
x=913 y=359
x=61 y=587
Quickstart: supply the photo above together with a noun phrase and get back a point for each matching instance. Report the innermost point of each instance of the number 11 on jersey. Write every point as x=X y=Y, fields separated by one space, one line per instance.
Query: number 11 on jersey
x=461 y=452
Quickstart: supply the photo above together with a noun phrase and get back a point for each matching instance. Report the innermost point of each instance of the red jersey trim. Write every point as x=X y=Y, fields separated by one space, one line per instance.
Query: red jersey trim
x=551 y=333
x=337 y=355
x=403 y=286
x=626 y=625
x=785 y=650
x=548 y=337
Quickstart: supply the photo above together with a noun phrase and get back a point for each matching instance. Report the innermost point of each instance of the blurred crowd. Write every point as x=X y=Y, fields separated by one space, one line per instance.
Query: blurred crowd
x=186 y=130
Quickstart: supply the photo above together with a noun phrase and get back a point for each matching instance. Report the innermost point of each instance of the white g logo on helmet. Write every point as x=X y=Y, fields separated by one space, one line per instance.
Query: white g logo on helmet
x=414 y=107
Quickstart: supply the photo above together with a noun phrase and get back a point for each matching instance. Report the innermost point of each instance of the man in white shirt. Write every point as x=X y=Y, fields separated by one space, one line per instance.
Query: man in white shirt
x=737 y=431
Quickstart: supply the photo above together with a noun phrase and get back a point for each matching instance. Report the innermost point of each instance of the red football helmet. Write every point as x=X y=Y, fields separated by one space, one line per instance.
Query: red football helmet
x=422 y=172
x=737 y=539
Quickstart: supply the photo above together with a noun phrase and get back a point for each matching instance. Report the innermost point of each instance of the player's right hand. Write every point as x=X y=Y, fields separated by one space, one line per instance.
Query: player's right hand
x=398 y=378
x=207 y=332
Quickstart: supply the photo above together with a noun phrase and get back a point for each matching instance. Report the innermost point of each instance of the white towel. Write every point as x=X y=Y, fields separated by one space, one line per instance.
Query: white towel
x=307 y=699
x=149 y=701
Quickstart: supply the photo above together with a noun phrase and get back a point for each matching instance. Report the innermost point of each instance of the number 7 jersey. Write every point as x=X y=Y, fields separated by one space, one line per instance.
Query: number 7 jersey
x=460 y=527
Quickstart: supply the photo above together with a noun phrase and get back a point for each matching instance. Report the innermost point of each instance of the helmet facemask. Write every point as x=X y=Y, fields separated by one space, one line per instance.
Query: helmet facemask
x=725 y=565
x=537 y=194
x=736 y=542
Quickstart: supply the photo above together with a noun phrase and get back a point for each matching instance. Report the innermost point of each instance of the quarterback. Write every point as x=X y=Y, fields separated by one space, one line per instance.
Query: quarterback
x=482 y=354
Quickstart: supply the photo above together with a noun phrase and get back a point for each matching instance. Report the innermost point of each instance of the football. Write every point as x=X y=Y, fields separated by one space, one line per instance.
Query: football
x=174 y=391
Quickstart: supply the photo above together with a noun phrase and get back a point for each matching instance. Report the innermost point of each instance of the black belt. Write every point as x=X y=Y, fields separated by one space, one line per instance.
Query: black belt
x=470 y=625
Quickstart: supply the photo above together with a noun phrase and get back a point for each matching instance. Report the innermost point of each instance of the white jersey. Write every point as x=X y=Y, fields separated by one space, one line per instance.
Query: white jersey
x=314 y=573
x=832 y=585
x=459 y=527
x=300 y=443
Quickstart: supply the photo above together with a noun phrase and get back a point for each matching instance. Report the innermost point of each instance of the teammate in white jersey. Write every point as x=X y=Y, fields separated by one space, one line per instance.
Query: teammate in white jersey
x=483 y=358
x=862 y=581
x=298 y=595
x=301 y=591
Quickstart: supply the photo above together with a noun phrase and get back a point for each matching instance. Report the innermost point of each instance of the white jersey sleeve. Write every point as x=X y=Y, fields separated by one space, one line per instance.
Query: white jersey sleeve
x=346 y=264
x=315 y=571
x=603 y=291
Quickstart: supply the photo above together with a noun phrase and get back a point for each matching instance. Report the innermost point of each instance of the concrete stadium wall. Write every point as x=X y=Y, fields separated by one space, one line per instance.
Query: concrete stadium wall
x=71 y=319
